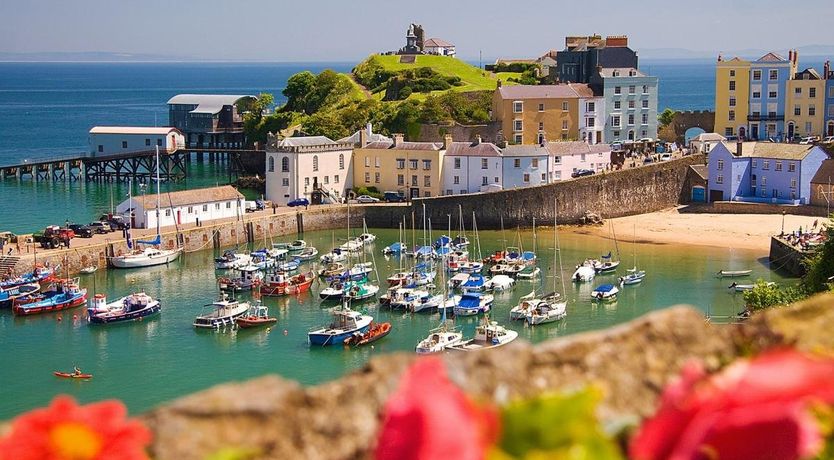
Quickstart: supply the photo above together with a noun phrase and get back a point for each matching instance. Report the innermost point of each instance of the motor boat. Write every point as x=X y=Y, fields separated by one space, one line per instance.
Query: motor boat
x=128 y=308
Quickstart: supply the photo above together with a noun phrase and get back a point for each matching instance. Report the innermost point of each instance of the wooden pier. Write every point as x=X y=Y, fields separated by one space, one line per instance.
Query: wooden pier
x=140 y=165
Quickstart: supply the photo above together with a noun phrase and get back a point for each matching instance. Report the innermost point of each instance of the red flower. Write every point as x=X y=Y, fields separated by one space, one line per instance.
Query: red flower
x=67 y=431
x=752 y=409
x=429 y=418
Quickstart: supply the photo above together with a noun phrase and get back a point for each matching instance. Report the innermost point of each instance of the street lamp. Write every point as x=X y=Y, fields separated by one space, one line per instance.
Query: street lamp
x=783 y=224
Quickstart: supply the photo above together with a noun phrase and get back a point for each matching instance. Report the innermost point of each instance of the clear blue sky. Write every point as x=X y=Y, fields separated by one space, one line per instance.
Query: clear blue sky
x=347 y=30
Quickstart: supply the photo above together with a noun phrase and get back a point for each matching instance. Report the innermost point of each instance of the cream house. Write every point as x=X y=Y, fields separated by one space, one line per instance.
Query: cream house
x=297 y=166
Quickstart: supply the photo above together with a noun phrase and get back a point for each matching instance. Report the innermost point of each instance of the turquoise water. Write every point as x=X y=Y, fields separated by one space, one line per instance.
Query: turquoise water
x=146 y=363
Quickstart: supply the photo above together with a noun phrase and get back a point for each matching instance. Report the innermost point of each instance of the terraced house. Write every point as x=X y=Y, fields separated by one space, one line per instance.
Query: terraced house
x=532 y=114
x=630 y=102
x=828 y=75
x=412 y=168
x=768 y=84
x=805 y=104
x=732 y=96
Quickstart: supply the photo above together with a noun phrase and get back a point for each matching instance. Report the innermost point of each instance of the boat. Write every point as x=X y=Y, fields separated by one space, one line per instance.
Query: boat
x=38 y=275
x=526 y=304
x=231 y=259
x=443 y=241
x=308 y=253
x=289 y=266
x=496 y=258
x=473 y=303
x=499 y=268
x=394 y=249
x=547 y=310
x=335 y=255
x=632 y=277
x=88 y=270
x=61 y=295
x=460 y=242
x=457 y=280
x=224 y=313
x=605 y=293
x=334 y=291
x=352 y=246
x=9 y=295
x=72 y=375
x=366 y=238
x=528 y=273
x=296 y=246
x=435 y=302
x=151 y=255
x=584 y=273
x=474 y=283
x=470 y=266
x=258 y=315
x=248 y=278
x=360 y=290
x=734 y=273
x=358 y=271
x=606 y=264
x=499 y=283
x=375 y=332
x=488 y=334
x=280 y=284
x=261 y=259
x=332 y=269
x=344 y=324
x=133 y=307
x=747 y=287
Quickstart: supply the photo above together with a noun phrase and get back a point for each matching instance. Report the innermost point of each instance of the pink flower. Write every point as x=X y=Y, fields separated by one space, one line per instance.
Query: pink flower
x=429 y=418
x=67 y=431
x=752 y=409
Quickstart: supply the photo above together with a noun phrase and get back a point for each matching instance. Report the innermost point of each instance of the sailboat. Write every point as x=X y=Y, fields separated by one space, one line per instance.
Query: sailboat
x=608 y=264
x=151 y=255
x=345 y=324
x=551 y=308
x=530 y=270
x=633 y=276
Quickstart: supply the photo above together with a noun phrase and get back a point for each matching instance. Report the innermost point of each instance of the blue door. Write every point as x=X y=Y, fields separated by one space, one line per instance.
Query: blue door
x=698 y=194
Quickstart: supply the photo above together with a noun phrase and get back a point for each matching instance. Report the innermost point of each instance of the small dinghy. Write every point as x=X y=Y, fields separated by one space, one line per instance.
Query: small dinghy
x=376 y=332
x=734 y=273
x=88 y=270
x=258 y=315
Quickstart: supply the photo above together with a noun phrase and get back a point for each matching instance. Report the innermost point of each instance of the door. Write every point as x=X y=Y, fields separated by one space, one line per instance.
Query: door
x=741 y=132
x=415 y=193
x=179 y=220
x=698 y=194
x=830 y=128
x=790 y=131
x=754 y=132
x=716 y=195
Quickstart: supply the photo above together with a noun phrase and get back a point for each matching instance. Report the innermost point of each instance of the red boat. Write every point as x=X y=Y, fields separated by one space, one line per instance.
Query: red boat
x=258 y=315
x=496 y=258
x=374 y=333
x=279 y=284
x=72 y=375
x=61 y=295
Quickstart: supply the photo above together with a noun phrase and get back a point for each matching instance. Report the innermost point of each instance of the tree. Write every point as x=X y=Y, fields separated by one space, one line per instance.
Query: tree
x=299 y=86
x=666 y=117
x=820 y=266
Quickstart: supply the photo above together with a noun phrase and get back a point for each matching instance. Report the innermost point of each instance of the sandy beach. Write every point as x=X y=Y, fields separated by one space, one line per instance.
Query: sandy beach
x=736 y=231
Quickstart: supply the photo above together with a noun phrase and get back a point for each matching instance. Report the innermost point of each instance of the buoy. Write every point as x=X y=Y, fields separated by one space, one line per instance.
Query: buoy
x=75 y=317
x=285 y=332
x=372 y=347
x=60 y=318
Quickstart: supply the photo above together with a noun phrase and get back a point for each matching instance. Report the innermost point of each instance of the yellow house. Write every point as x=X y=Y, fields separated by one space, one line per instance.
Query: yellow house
x=732 y=96
x=805 y=109
x=412 y=168
x=532 y=114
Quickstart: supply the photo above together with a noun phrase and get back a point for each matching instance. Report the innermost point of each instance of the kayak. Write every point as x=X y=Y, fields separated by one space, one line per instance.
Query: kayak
x=70 y=375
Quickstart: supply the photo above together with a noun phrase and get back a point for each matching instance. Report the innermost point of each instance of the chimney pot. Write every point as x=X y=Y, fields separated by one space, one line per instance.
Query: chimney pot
x=739 y=148
x=398 y=139
x=447 y=141
x=477 y=139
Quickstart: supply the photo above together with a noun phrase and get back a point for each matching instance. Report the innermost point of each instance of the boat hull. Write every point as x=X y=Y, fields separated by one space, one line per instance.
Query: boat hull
x=150 y=310
x=48 y=305
x=139 y=262
x=325 y=338
x=246 y=322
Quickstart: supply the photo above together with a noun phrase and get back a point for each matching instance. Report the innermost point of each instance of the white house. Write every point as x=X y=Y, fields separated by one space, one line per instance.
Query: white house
x=567 y=157
x=183 y=207
x=470 y=167
x=113 y=140
x=296 y=166
x=525 y=166
x=592 y=119
x=439 y=47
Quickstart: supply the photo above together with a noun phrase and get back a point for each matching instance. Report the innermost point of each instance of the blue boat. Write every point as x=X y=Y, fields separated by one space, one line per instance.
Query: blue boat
x=473 y=303
x=442 y=242
x=8 y=296
x=128 y=308
x=475 y=283
x=394 y=249
x=345 y=323
x=290 y=266
x=60 y=296
x=39 y=275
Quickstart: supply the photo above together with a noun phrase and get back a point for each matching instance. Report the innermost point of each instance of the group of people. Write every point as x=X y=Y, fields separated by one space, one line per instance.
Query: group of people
x=811 y=236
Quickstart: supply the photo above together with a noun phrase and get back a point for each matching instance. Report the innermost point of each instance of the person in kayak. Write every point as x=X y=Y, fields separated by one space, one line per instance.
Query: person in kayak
x=76 y=370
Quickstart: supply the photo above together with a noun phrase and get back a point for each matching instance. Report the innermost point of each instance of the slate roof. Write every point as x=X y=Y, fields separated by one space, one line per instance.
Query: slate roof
x=624 y=72
x=438 y=43
x=575 y=148
x=524 y=151
x=472 y=149
x=701 y=171
x=354 y=138
x=304 y=141
x=132 y=130
x=825 y=174
x=386 y=145
x=190 y=197
x=771 y=57
x=563 y=91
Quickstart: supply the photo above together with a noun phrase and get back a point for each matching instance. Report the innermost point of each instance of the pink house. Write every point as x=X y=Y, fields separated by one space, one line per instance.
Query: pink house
x=568 y=157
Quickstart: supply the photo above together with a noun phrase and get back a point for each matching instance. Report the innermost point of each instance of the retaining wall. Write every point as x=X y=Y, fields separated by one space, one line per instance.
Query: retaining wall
x=737 y=207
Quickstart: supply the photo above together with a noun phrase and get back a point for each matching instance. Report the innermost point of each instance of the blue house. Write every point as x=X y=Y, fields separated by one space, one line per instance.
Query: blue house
x=768 y=83
x=763 y=172
x=828 y=76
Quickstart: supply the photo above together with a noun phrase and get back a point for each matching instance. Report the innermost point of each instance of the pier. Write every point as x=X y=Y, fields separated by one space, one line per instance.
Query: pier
x=122 y=167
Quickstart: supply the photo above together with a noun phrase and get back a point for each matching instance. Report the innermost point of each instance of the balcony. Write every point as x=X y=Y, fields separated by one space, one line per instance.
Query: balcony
x=765 y=118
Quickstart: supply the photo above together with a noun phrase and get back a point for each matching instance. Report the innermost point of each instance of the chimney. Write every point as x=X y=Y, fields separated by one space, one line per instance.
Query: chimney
x=477 y=140
x=826 y=70
x=795 y=57
x=447 y=141
x=720 y=57
x=739 y=148
x=790 y=55
x=398 y=139
x=363 y=138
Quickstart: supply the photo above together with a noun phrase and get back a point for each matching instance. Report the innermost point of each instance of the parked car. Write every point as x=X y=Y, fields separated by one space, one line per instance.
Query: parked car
x=100 y=227
x=250 y=206
x=582 y=173
x=116 y=221
x=828 y=140
x=647 y=160
x=367 y=199
x=665 y=156
x=395 y=197
x=299 y=202
x=260 y=205
x=809 y=140
x=81 y=231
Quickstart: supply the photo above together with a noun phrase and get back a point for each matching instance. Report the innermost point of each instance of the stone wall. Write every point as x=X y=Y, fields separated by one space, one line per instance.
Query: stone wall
x=682 y=121
x=737 y=207
x=786 y=257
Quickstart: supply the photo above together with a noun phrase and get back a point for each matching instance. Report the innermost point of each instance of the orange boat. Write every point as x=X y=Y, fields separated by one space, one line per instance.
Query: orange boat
x=280 y=284
x=72 y=375
x=258 y=315
x=374 y=333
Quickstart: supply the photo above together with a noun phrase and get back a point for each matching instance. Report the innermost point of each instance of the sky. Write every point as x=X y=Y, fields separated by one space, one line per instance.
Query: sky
x=348 y=30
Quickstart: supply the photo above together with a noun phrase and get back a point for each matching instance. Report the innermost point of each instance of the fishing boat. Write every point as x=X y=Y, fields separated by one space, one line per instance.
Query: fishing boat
x=281 y=284
x=344 y=324
x=88 y=270
x=72 y=375
x=632 y=277
x=152 y=255
x=488 y=334
x=747 y=287
x=394 y=249
x=734 y=273
x=38 y=275
x=499 y=283
x=375 y=332
x=9 y=295
x=224 y=312
x=248 y=277
x=605 y=293
x=133 y=307
x=296 y=246
x=258 y=315
x=473 y=303
x=308 y=253
x=61 y=295
x=334 y=256
x=231 y=259
x=584 y=273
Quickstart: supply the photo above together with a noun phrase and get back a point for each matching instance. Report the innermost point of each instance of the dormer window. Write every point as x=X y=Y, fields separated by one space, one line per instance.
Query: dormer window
x=616 y=73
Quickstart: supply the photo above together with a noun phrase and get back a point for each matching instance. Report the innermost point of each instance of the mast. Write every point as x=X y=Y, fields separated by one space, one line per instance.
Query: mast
x=477 y=237
x=157 y=192
x=614 y=235
x=558 y=248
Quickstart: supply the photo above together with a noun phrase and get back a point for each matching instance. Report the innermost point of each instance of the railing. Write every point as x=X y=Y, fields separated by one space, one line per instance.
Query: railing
x=765 y=118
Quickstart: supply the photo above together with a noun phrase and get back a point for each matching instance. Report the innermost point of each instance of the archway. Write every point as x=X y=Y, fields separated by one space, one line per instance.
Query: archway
x=791 y=130
x=691 y=133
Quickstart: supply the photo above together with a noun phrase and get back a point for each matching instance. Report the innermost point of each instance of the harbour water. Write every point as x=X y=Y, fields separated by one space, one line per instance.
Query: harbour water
x=149 y=362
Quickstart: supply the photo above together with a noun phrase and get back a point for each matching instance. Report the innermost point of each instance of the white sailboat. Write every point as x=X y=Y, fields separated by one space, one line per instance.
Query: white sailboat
x=551 y=308
x=151 y=255
x=633 y=275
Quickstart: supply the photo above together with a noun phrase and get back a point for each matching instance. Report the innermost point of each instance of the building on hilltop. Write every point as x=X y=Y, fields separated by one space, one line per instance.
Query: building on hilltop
x=209 y=120
x=312 y=167
x=415 y=169
x=582 y=56
x=763 y=172
x=438 y=47
x=116 y=140
x=470 y=167
x=183 y=207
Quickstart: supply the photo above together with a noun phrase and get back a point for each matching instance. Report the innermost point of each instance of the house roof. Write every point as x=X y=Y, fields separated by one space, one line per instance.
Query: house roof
x=575 y=148
x=474 y=149
x=386 y=145
x=771 y=57
x=354 y=138
x=810 y=71
x=304 y=141
x=437 y=42
x=824 y=175
x=189 y=197
x=701 y=170
x=133 y=130
x=623 y=72
x=708 y=137
x=775 y=150
x=563 y=91
x=207 y=103
x=524 y=151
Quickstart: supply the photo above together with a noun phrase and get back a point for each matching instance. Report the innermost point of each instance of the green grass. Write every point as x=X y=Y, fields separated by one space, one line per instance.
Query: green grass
x=505 y=76
x=473 y=78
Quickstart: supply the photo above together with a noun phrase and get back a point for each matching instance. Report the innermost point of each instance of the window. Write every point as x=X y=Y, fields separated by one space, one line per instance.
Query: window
x=159 y=142
x=793 y=182
x=774 y=74
x=147 y=142
x=719 y=179
x=427 y=181
x=645 y=103
x=518 y=125
x=615 y=121
x=645 y=120
x=719 y=165
x=812 y=110
x=100 y=148
x=124 y=144
x=541 y=107
x=400 y=163
x=449 y=191
x=457 y=163
x=495 y=179
x=645 y=89
x=376 y=178
x=757 y=75
x=728 y=131
x=544 y=177
x=812 y=92
x=753 y=162
x=617 y=105
x=427 y=165
x=285 y=164
x=618 y=90
x=732 y=73
x=376 y=162
x=412 y=164
x=517 y=138
x=644 y=133
x=484 y=180
x=797 y=110
x=558 y=160
x=797 y=92
x=526 y=177
x=808 y=127
x=732 y=85
x=216 y=205
x=731 y=116
x=367 y=162
x=632 y=89
x=791 y=167
x=205 y=208
x=565 y=106
x=341 y=161
x=400 y=179
x=367 y=178
x=484 y=163
x=630 y=119
x=590 y=122
x=765 y=165
x=541 y=126
x=271 y=164
x=764 y=181
x=456 y=180
x=732 y=102
x=564 y=125
x=285 y=181
x=590 y=107
x=772 y=94
x=413 y=181
x=534 y=163
x=778 y=166
x=630 y=104
x=427 y=194
x=228 y=205
x=616 y=135
x=191 y=209
x=518 y=106
x=757 y=94
x=582 y=158
x=517 y=163
x=168 y=212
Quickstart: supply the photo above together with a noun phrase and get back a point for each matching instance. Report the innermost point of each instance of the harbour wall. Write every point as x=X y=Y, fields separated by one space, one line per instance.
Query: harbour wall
x=787 y=257
x=737 y=207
